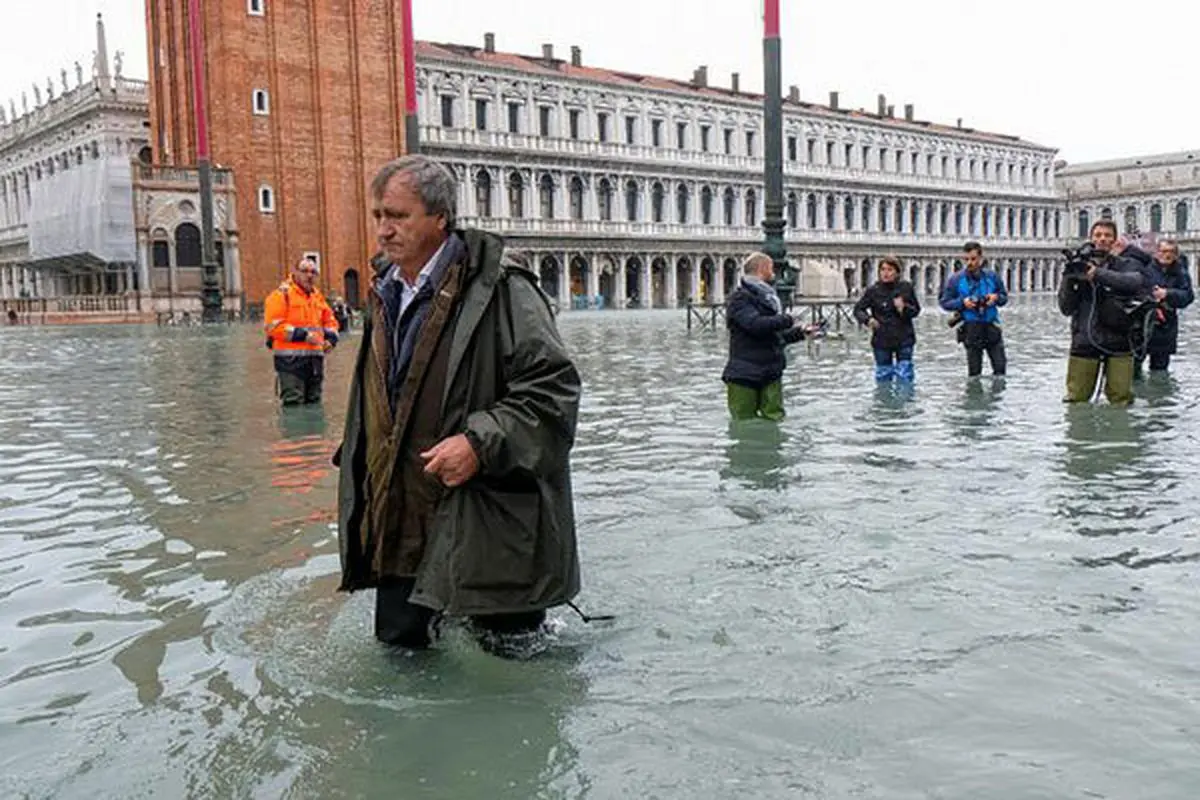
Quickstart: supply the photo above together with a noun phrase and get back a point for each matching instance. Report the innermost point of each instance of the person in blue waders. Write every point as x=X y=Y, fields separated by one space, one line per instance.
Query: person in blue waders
x=889 y=307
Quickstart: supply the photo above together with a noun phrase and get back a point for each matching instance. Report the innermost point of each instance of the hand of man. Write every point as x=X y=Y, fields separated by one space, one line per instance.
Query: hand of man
x=873 y=323
x=992 y=298
x=899 y=303
x=969 y=304
x=1160 y=294
x=313 y=337
x=452 y=461
x=1091 y=273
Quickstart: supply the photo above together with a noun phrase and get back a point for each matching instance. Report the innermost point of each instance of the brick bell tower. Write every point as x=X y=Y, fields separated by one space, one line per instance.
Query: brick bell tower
x=306 y=99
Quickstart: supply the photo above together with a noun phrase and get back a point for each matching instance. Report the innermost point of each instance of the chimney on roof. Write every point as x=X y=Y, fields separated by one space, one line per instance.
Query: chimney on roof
x=700 y=77
x=737 y=83
x=794 y=94
x=891 y=111
x=909 y=111
x=548 y=52
x=576 y=56
x=489 y=43
x=882 y=106
x=959 y=123
x=833 y=100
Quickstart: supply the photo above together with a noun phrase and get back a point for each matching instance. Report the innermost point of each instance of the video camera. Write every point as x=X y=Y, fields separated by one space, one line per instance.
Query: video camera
x=1080 y=259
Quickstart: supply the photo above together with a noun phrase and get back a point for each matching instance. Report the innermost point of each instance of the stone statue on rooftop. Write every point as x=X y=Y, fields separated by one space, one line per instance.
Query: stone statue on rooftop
x=117 y=64
x=64 y=82
x=37 y=96
x=78 y=74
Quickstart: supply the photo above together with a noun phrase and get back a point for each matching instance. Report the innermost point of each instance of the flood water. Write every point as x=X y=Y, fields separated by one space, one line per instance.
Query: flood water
x=969 y=592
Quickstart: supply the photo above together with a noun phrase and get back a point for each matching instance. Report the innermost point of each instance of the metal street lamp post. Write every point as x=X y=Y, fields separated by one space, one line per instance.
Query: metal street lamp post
x=210 y=296
x=773 y=222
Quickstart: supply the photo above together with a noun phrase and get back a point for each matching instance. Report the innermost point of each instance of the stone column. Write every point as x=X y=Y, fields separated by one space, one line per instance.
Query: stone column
x=619 y=299
x=718 y=289
x=564 y=282
x=672 y=281
x=593 y=273
x=647 y=287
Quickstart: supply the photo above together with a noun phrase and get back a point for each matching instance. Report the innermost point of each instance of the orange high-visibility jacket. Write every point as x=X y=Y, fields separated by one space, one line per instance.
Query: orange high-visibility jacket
x=289 y=313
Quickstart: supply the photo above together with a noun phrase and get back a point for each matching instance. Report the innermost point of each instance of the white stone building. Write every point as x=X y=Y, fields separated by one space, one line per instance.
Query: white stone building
x=1154 y=196
x=632 y=188
x=86 y=225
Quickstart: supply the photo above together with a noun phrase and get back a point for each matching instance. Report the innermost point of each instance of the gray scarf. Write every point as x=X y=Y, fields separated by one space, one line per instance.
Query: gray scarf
x=766 y=291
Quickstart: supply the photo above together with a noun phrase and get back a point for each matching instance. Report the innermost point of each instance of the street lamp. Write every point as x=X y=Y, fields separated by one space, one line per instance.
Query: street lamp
x=210 y=295
x=773 y=222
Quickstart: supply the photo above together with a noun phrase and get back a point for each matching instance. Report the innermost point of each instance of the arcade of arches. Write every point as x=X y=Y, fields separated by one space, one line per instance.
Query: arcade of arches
x=608 y=280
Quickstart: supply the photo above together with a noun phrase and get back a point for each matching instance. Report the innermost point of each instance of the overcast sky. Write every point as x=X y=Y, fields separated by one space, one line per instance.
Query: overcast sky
x=1094 y=78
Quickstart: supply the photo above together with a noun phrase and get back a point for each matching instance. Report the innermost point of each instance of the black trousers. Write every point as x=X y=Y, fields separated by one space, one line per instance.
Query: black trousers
x=300 y=378
x=404 y=624
x=1159 y=362
x=980 y=338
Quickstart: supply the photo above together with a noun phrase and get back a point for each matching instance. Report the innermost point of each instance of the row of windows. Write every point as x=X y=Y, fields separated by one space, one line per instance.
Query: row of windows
x=603 y=129
x=890 y=215
x=846 y=155
x=1130 y=219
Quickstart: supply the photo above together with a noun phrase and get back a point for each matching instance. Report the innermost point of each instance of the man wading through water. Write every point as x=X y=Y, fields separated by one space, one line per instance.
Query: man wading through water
x=758 y=333
x=455 y=491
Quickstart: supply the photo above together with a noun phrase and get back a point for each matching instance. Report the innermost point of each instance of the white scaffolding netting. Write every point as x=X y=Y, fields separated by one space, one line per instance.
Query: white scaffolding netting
x=87 y=208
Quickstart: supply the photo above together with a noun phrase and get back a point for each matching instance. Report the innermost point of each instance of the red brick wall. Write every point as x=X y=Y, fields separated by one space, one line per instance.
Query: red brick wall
x=334 y=73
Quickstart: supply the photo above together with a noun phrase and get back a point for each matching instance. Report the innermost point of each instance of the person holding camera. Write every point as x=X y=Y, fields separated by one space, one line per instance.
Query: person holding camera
x=1172 y=291
x=975 y=294
x=758 y=334
x=889 y=307
x=1102 y=293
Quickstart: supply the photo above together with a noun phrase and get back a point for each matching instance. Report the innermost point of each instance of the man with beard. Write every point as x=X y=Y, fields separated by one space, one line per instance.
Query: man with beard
x=1098 y=299
x=977 y=293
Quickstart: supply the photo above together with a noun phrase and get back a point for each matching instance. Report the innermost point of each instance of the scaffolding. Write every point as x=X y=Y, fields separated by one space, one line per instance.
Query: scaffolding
x=81 y=217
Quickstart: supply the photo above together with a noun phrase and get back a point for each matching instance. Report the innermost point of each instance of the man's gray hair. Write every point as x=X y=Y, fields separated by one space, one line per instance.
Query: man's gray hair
x=750 y=263
x=432 y=181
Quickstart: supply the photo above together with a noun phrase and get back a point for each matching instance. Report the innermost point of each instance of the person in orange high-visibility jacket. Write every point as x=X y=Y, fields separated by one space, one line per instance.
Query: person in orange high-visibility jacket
x=301 y=329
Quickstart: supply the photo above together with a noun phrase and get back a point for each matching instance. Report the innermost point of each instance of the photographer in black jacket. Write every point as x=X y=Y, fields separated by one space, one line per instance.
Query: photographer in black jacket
x=1171 y=287
x=1102 y=294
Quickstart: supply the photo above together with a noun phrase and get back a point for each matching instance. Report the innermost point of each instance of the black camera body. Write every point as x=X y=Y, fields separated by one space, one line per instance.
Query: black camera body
x=978 y=301
x=1080 y=259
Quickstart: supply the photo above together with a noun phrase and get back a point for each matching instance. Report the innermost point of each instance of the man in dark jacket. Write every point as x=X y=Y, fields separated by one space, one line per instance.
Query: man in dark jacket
x=1099 y=300
x=454 y=494
x=1172 y=290
x=758 y=332
x=976 y=293
x=889 y=307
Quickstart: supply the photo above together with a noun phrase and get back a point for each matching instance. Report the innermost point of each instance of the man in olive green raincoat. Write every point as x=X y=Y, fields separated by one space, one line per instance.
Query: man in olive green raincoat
x=454 y=494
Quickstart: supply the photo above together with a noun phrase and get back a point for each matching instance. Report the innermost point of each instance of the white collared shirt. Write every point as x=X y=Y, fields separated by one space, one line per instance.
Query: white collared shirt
x=409 y=291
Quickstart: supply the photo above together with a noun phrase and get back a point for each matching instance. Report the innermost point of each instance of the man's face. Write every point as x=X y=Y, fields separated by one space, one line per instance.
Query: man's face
x=407 y=233
x=888 y=273
x=974 y=260
x=1168 y=254
x=1103 y=238
x=305 y=275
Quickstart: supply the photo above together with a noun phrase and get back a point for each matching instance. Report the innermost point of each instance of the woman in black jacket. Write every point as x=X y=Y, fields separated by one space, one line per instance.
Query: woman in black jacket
x=889 y=306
